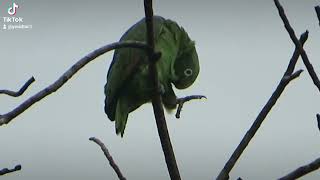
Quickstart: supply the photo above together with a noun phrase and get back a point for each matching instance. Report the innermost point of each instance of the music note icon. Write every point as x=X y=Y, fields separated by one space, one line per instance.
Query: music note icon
x=12 y=10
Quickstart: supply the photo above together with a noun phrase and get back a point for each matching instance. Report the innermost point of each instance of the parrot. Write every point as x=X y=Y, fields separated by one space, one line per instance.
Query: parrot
x=128 y=83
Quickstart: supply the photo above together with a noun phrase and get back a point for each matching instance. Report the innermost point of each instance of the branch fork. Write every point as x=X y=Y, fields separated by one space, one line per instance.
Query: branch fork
x=181 y=101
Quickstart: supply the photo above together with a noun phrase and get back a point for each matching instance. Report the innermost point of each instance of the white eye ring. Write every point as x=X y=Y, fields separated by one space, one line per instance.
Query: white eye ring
x=188 y=72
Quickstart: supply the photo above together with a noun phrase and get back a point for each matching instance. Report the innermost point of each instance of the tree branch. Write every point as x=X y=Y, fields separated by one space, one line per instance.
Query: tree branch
x=6 y=170
x=317 y=8
x=287 y=77
x=292 y=76
x=181 y=102
x=6 y=118
x=156 y=98
x=295 y=40
x=21 y=91
x=318 y=120
x=109 y=157
x=303 y=170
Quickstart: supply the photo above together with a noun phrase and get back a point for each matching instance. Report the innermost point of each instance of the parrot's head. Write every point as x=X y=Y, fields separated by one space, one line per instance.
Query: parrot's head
x=186 y=66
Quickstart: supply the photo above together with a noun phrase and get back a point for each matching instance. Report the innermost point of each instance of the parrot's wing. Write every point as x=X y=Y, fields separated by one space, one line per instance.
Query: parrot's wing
x=126 y=61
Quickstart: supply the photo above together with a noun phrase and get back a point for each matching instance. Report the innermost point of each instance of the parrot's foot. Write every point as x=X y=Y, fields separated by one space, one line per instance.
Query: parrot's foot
x=181 y=101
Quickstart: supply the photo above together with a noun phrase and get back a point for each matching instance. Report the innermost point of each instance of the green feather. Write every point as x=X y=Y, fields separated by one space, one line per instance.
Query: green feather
x=128 y=82
x=122 y=112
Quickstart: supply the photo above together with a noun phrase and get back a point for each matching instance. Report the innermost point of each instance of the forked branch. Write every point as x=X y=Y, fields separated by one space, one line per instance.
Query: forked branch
x=21 y=91
x=288 y=76
x=6 y=118
x=298 y=45
x=181 y=101
x=285 y=80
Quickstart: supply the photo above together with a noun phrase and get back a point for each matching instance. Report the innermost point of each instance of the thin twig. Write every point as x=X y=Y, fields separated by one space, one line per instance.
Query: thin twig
x=21 y=91
x=109 y=157
x=295 y=40
x=317 y=8
x=6 y=118
x=156 y=99
x=6 y=170
x=181 y=102
x=303 y=170
x=287 y=77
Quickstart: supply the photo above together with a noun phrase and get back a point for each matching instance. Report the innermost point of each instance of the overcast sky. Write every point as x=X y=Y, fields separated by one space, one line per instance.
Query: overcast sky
x=243 y=51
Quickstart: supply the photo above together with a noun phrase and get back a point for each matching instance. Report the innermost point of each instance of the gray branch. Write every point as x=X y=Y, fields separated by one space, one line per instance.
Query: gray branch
x=298 y=45
x=285 y=80
x=181 y=102
x=6 y=118
x=21 y=91
x=303 y=170
x=156 y=98
x=109 y=157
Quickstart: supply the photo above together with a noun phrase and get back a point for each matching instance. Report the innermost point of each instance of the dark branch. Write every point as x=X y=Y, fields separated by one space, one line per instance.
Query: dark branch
x=6 y=170
x=303 y=170
x=318 y=120
x=6 y=118
x=181 y=102
x=21 y=91
x=292 y=76
x=295 y=40
x=296 y=54
x=156 y=99
x=109 y=157
x=317 y=8
x=287 y=77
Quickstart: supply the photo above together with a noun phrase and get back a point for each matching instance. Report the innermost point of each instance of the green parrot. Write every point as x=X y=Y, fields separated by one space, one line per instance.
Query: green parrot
x=128 y=82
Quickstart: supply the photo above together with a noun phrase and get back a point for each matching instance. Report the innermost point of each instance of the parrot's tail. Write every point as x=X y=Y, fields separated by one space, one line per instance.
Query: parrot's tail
x=121 y=116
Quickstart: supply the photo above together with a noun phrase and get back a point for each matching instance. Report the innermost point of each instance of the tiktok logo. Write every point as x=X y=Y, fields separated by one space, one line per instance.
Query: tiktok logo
x=12 y=10
x=13 y=22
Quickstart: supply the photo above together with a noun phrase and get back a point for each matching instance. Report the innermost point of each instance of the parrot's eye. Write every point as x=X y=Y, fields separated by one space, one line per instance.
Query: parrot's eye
x=188 y=72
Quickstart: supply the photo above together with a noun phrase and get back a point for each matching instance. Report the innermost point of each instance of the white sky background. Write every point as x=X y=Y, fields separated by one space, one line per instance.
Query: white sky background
x=243 y=50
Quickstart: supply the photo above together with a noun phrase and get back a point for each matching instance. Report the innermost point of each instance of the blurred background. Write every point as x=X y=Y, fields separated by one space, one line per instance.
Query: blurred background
x=243 y=50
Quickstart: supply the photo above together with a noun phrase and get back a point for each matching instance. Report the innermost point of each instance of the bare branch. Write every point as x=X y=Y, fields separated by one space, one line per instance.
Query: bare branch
x=21 y=91
x=181 y=102
x=295 y=40
x=303 y=170
x=287 y=77
x=109 y=157
x=6 y=170
x=292 y=76
x=317 y=8
x=6 y=118
x=303 y=38
x=156 y=98
x=318 y=120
